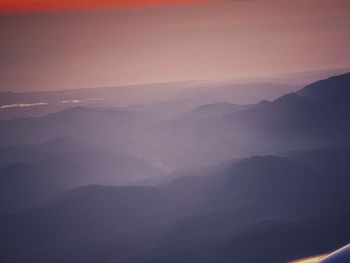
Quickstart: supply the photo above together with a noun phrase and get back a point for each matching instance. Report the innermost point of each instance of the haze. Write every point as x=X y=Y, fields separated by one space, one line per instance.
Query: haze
x=152 y=131
x=162 y=43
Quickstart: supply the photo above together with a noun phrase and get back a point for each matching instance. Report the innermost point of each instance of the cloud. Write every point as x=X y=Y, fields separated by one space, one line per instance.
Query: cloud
x=23 y=105
x=94 y=99
x=80 y=100
x=71 y=101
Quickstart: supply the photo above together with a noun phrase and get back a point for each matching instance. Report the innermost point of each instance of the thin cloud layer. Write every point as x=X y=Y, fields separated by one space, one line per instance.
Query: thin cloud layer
x=74 y=101
x=23 y=105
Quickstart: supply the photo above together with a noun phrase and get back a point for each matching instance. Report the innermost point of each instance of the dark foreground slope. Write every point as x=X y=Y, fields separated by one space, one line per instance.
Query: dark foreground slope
x=262 y=209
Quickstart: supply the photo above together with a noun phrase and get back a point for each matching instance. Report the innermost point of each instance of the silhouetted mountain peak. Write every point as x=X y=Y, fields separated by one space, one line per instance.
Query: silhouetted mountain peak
x=220 y=105
x=264 y=102
x=89 y=112
x=291 y=99
x=331 y=87
x=217 y=109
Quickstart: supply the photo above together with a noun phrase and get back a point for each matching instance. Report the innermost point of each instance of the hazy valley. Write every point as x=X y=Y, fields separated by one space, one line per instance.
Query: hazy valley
x=183 y=179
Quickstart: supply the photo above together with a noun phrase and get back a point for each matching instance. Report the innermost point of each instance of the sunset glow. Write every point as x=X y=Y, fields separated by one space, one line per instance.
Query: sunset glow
x=174 y=131
x=45 y=5
x=167 y=40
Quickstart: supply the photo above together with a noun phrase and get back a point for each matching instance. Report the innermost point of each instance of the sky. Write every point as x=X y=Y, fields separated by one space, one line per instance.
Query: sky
x=59 y=5
x=53 y=44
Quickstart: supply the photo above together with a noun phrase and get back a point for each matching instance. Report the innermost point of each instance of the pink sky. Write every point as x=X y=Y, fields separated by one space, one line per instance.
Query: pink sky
x=225 y=39
x=59 y=5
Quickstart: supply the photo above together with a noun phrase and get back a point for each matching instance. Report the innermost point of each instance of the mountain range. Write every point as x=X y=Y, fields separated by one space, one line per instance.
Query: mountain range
x=220 y=182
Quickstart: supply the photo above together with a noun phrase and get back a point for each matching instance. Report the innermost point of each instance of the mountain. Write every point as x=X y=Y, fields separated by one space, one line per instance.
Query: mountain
x=87 y=124
x=194 y=93
x=38 y=152
x=280 y=207
x=214 y=110
x=290 y=122
x=102 y=222
x=205 y=135
x=331 y=87
x=25 y=185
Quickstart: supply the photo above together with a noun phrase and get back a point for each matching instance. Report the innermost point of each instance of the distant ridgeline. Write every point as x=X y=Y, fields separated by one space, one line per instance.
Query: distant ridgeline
x=204 y=182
